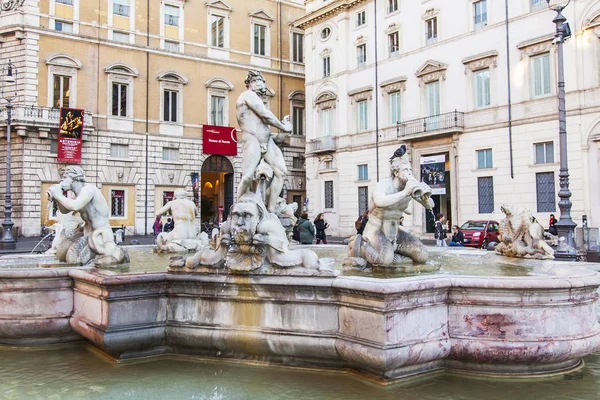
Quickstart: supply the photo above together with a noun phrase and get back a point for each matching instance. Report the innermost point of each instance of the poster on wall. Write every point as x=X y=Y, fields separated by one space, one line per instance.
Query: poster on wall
x=433 y=173
x=196 y=187
x=70 y=131
x=219 y=140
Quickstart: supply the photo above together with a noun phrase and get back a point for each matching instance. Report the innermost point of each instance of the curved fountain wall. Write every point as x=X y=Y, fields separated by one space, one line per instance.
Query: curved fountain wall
x=390 y=328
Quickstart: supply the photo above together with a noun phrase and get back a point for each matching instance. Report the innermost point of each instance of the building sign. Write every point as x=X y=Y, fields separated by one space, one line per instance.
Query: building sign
x=219 y=140
x=70 y=130
x=433 y=173
x=196 y=187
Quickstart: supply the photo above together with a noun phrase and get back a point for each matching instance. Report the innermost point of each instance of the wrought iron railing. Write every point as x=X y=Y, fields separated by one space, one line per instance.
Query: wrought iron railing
x=323 y=144
x=440 y=122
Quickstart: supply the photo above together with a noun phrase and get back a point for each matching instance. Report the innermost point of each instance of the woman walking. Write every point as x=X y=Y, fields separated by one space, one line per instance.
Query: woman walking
x=306 y=229
x=440 y=231
x=321 y=225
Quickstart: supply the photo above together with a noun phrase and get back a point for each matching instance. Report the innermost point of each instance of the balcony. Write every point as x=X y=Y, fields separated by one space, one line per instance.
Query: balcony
x=37 y=117
x=325 y=144
x=434 y=125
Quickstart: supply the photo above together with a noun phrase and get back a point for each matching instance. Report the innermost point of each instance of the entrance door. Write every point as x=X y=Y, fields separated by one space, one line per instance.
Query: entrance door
x=216 y=188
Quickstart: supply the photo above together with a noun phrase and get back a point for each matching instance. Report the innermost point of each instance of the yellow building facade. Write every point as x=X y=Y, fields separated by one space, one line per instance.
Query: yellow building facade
x=150 y=76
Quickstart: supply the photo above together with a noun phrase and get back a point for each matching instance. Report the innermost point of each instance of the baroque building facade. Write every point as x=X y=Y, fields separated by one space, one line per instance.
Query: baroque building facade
x=150 y=76
x=470 y=87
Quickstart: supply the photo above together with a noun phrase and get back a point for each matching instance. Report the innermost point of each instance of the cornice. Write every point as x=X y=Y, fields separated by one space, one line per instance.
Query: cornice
x=325 y=12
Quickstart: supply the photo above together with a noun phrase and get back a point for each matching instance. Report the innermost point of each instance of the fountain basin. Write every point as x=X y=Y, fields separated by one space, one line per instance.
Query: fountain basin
x=391 y=328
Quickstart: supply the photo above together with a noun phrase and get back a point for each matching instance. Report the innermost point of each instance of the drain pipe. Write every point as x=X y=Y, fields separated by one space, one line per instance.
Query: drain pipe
x=147 y=110
x=376 y=97
x=510 y=144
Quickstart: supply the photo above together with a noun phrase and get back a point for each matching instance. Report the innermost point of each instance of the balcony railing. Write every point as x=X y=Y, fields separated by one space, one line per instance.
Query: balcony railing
x=324 y=144
x=454 y=120
x=37 y=116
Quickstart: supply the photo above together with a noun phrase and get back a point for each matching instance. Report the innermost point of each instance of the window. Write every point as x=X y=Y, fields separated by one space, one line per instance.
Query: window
x=363 y=118
x=121 y=7
x=53 y=146
x=171 y=46
x=260 y=34
x=392 y=6
x=538 y=4
x=485 y=194
x=361 y=54
x=67 y=2
x=326 y=66
x=325 y=33
x=298 y=47
x=544 y=188
x=298 y=120
x=62 y=85
x=328 y=164
x=170 y=106
x=297 y=163
x=328 y=194
x=393 y=44
x=119 y=99
x=431 y=32
x=121 y=37
x=363 y=172
x=541 y=74
x=480 y=13
x=117 y=203
x=217 y=31
x=544 y=153
x=361 y=18
x=326 y=122
x=482 y=88
x=63 y=26
x=119 y=150
x=168 y=196
x=433 y=98
x=395 y=115
x=170 y=154
x=171 y=15
x=363 y=199
x=217 y=105
x=484 y=159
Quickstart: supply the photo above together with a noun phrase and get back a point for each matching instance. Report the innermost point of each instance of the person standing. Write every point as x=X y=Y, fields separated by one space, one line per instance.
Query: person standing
x=306 y=229
x=440 y=230
x=361 y=222
x=552 y=225
x=158 y=226
x=321 y=225
x=458 y=239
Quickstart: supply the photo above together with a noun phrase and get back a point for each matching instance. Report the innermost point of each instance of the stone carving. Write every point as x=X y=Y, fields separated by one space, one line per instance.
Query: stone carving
x=253 y=240
x=10 y=5
x=259 y=145
x=521 y=235
x=286 y=214
x=67 y=229
x=383 y=243
x=431 y=71
x=97 y=244
x=183 y=237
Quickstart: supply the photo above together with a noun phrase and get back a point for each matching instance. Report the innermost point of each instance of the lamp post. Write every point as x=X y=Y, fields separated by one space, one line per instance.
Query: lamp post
x=565 y=226
x=9 y=93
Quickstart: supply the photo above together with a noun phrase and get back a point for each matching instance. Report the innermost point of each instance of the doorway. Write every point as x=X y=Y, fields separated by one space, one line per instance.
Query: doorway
x=216 y=189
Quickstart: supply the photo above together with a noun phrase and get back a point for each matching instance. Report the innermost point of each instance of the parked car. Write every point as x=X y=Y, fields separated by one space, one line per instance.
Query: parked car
x=480 y=233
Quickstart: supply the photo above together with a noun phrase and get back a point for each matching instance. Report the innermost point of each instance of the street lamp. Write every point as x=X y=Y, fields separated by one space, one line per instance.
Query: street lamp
x=565 y=225
x=9 y=93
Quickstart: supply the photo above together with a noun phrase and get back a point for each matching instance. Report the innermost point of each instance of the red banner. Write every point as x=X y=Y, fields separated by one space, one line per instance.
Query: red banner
x=219 y=140
x=70 y=130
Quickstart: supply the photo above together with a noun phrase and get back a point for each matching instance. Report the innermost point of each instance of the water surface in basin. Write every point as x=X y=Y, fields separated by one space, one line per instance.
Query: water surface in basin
x=450 y=262
x=77 y=373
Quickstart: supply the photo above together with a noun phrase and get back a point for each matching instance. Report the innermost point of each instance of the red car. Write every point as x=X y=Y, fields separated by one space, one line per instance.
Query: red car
x=480 y=233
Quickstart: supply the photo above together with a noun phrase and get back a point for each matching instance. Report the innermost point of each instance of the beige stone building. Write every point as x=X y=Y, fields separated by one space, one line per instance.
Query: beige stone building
x=149 y=75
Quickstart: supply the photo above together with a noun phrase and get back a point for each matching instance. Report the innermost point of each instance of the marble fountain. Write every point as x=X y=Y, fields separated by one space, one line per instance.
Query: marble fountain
x=376 y=306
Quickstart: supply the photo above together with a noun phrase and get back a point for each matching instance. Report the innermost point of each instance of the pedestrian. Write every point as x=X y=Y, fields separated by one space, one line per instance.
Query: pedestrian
x=458 y=239
x=440 y=230
x=552 y=225
x=158 y=226
x=401 y=221
x=296 y=232
x=306 y=229
x=321 y=225
x=169 y=225
x=361 y=222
